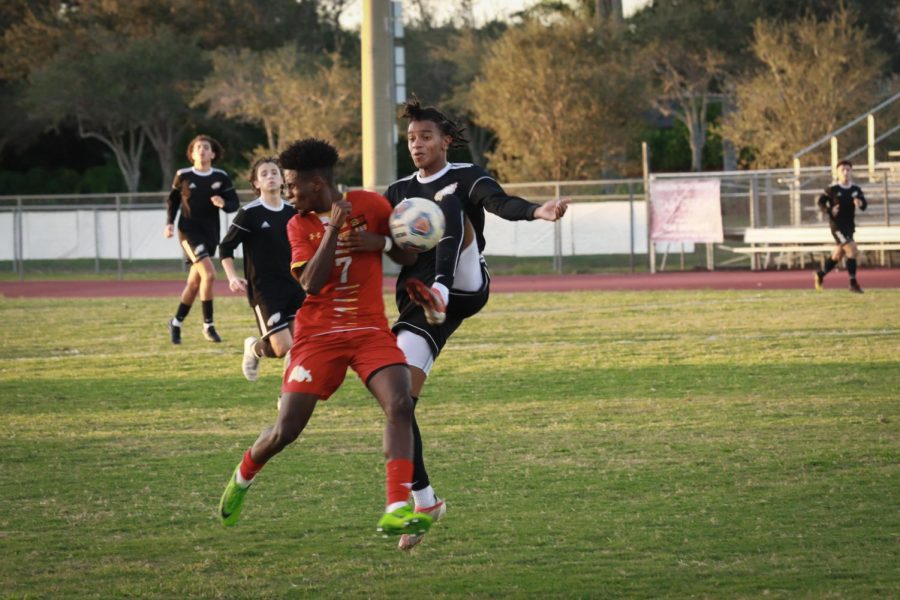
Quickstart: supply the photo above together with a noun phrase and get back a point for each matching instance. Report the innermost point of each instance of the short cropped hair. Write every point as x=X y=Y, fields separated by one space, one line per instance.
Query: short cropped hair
x=414 y=111
x=844 y=162
x=217 y=148
x=310 y=155
x=265 y=159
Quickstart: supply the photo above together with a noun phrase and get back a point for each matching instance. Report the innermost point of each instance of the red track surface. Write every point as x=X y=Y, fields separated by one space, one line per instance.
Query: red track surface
x=690 y=280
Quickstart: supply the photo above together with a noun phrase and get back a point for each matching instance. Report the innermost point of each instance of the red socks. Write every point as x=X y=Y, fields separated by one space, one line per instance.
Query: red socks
x=249 y=469
x=398 y=480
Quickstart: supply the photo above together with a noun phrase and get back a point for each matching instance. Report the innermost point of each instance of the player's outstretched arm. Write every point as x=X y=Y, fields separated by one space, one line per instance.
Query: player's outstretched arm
x=552 y=210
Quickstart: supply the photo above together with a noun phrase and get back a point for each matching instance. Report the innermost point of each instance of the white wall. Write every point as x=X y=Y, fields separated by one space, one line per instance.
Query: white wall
x=588 y=228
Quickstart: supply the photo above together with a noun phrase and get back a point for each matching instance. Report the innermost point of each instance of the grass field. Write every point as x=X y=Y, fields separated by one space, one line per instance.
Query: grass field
x=590 y=445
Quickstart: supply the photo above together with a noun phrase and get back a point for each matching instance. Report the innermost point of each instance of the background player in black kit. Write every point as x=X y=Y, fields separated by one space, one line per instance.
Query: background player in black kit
x=199 y=192
x=840 y=202
x=451 y=282
x=273 y=293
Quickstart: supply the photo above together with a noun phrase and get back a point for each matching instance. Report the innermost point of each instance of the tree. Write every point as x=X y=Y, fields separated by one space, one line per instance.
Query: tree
x=563 y=101
x=122 y=92
x=814 y=76
x=164 y=71
x=289 y=94
x=96 y=92
x=687 y=79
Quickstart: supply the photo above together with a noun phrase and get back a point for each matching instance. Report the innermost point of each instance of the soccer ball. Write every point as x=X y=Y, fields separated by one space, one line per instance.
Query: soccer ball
x=417 y=224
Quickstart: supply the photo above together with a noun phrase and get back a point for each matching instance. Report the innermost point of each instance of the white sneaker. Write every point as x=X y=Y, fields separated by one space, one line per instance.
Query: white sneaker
x=408 y=540
x=250 y=366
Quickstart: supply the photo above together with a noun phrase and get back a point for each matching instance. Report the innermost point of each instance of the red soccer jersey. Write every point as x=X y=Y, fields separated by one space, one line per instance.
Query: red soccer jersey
x=352 y=297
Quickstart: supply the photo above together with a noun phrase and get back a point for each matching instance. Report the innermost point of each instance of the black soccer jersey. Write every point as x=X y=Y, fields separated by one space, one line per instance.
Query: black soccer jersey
x=843 y=197
x=267 y=253
x=478 y=192
x=191 y=193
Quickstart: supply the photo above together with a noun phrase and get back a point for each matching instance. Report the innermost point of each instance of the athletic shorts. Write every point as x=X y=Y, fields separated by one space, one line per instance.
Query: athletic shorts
x=461 y=306
x=319 y=363
x=842 y=235
x=275 y=306
x=196 y=247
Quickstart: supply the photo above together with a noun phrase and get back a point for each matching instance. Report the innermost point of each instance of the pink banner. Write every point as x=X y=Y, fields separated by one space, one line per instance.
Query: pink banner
x=685 y=210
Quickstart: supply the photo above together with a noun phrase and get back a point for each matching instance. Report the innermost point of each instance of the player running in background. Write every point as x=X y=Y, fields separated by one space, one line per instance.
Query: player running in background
x=273 y=293
x=199 y=192
x=449 y=283
x=840 y=202
x=341 y=324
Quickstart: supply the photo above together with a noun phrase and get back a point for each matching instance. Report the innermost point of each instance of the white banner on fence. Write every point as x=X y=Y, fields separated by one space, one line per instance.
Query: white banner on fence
x=686 y=210
x=588 y=228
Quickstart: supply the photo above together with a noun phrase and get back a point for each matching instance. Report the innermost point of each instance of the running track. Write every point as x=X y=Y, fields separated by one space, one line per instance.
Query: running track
x=688 y=280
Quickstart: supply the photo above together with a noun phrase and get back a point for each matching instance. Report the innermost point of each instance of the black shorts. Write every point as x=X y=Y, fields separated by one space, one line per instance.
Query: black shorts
x=842 y=235
x=275 y=306
x=462 y=305
x=196 y=247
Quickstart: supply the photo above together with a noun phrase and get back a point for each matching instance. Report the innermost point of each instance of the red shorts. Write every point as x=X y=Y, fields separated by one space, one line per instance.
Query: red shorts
x=319 y=363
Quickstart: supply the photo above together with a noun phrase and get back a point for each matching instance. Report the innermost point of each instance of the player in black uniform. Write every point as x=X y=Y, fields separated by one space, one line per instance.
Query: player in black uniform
x=451 y=282
x=840 y=202
x=273 y=293
x=199 y=192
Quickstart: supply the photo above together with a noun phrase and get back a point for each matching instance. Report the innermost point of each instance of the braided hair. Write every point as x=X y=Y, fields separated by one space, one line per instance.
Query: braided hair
x=414 y=111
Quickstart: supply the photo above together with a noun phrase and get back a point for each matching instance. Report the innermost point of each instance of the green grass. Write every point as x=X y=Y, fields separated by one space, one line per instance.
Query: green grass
x=590 y=445
x=36 y=270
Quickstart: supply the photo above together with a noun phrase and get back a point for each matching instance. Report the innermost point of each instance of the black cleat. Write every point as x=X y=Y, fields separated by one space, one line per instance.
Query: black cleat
x=175 y=332
x=210 y=334
x=819 y=278
x=854 y=287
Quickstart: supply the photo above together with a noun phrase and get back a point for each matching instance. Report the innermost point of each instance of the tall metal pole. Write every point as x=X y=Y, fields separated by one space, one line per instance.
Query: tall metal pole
x=645 y=162
x=378 y=118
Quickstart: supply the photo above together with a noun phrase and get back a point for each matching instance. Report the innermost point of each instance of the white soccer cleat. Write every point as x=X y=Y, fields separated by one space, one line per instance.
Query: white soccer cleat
x=250 y=365
x=408 y=541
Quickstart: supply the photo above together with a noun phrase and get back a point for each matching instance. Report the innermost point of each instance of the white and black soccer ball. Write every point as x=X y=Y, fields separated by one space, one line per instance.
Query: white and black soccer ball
x=417 y=224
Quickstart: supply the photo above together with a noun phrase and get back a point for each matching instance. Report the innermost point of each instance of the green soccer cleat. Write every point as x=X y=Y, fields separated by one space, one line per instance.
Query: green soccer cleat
x=232 y=501
x=403 y=520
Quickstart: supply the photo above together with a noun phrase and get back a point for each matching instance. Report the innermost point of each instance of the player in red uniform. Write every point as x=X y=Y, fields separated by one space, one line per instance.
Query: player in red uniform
x=341 y=324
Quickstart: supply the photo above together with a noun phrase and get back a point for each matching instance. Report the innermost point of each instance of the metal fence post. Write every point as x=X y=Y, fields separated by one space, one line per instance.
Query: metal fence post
x=630 y=227
x=119 y=237
x=18 y=244
x=96 y=212
x=557 y=239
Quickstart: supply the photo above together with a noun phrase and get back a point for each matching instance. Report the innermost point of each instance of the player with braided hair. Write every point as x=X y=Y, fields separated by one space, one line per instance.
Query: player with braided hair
x=449 y=283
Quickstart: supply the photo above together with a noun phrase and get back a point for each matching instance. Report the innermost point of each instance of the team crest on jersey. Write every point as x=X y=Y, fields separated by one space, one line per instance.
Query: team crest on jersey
x=444 y=191
x=216 y=185
x=358 y=223
x=315 y=236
